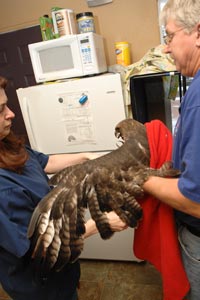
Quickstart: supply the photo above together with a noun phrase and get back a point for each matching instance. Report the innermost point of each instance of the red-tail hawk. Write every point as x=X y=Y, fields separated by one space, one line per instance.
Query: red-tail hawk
x=111 y=182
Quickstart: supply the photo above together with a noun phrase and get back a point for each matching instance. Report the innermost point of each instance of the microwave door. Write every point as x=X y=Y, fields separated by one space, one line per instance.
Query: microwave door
x=56 y=59
x=66 y=60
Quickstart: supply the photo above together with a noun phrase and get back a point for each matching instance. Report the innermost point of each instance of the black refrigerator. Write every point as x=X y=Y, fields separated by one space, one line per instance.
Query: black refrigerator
x=149 y=100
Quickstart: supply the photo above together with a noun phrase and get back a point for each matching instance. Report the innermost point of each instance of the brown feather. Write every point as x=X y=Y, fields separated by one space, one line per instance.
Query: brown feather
x=111 y=182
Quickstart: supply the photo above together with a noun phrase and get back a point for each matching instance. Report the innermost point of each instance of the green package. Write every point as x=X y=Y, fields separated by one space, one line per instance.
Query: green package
x=46 y=26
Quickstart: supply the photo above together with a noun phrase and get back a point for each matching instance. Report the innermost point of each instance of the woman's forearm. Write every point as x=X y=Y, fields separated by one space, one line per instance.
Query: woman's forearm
x=58 y=162
x=90 y=228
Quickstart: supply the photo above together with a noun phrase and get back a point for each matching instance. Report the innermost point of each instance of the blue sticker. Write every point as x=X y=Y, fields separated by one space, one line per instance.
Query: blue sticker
x=83 y=99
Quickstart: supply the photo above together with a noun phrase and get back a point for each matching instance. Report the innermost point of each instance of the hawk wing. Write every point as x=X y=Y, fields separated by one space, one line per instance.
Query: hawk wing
x=111 y=182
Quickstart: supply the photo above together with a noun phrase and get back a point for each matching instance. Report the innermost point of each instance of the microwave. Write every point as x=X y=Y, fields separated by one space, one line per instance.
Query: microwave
x=68 y=56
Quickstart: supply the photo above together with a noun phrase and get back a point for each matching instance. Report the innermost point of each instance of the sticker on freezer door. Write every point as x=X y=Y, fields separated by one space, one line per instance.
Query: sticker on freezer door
x=77 y=118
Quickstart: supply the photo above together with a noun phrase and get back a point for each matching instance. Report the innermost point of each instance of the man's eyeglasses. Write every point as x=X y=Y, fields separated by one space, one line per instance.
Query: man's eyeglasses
x=169 y=36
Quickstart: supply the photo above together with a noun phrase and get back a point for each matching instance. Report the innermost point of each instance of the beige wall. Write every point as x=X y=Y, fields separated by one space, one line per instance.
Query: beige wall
x=135 y=21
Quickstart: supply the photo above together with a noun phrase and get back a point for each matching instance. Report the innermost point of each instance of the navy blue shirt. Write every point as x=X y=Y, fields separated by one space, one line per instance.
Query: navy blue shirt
x=19 y=195
x=186 y=149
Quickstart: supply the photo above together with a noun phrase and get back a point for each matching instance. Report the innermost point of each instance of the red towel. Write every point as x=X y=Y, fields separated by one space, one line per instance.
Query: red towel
x=155 y=239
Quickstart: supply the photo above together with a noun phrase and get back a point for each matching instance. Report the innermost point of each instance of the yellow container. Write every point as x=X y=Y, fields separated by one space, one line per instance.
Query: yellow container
x=122 y=52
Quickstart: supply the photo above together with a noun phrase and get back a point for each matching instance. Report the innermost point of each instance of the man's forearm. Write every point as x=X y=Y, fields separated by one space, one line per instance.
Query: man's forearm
x=167 y=191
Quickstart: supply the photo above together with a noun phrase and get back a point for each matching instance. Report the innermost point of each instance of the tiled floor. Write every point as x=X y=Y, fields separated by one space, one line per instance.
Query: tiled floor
x=108 y=280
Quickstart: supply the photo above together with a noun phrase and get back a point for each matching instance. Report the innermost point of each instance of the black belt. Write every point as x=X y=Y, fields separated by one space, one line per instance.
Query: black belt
x=194 y=230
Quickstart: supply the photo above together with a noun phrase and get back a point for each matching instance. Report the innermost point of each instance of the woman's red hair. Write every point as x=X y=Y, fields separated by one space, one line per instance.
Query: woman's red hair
x=13 y=154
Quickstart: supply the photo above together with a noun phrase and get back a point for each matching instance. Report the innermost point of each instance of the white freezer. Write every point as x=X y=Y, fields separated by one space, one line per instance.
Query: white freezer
x=76 y=116
x=73 y=116
x=118 y=247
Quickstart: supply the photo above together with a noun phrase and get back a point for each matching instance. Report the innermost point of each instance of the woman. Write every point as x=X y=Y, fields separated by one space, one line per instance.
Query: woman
x=23 y=183
x=181 y=19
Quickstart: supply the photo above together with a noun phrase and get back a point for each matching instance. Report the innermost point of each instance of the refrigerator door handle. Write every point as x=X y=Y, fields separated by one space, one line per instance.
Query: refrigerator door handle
x=29 y=124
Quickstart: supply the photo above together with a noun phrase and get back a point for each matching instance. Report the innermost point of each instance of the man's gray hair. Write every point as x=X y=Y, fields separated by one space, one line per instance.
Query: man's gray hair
x=185 y=13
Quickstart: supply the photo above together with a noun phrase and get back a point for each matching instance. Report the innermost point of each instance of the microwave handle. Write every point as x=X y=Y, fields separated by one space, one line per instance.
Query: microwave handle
x=28 y=123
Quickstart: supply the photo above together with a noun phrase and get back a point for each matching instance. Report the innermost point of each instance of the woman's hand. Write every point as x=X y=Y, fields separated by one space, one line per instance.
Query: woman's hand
x=116 y=224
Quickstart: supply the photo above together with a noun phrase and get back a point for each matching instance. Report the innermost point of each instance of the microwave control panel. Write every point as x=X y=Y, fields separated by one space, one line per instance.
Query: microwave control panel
x=85 y=47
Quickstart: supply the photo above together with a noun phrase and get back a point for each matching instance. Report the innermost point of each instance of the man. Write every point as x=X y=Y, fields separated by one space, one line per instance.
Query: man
x=182 y=23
